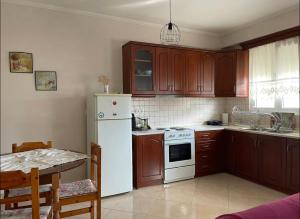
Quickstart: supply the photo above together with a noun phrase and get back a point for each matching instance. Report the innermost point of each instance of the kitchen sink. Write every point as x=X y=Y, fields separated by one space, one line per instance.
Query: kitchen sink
x=280 y=131
x=268 y=130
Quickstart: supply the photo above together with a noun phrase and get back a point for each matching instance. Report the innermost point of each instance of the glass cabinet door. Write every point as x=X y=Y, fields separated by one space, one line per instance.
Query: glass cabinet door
x=144 y=70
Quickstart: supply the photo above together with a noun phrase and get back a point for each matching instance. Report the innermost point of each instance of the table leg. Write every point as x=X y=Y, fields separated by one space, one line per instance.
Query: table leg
x=55 y=195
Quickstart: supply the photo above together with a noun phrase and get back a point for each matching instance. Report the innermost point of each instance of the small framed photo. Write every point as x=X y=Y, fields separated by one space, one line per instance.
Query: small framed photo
x=45 y=81
x=20 y=62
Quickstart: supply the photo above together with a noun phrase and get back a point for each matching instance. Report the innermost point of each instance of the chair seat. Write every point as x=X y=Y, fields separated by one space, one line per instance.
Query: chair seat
x=77 y=188
x=25 y=213
x=27 y=190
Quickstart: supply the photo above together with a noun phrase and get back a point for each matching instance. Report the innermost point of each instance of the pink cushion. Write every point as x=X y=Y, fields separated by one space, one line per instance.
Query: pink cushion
x=77 y=188
x=288 y=208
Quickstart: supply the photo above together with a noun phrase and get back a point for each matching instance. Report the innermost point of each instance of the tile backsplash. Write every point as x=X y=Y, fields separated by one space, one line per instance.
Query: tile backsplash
x=166 y=111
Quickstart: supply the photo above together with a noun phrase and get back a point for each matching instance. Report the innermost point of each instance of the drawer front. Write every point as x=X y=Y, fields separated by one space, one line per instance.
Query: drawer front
x=206 y=146
x=207 y=136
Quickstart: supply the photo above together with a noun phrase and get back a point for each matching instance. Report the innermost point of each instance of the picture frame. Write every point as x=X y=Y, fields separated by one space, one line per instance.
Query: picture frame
x=45 y=81
x=20 y=62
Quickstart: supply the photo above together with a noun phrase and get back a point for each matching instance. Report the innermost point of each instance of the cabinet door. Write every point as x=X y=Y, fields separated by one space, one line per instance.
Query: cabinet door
x=272 y=161
x=177 y=67
x=149 y=156
x=163 y=72
x=208 y=74
x=230 y=160
x=246 y=159
x=293 y=165
x=225 y=77
x=143 y=79
x=192 y=76
x=242 y=73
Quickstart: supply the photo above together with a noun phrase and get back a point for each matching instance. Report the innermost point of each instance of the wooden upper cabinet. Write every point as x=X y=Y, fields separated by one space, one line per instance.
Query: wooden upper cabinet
x=293 y=166
x=177 y=68
x=242 y=73
x=225 y=74
x=207 y=75
x=170 y=64
x=150 y=69
x=232 y=74
x=164 y=76
x=192 y=73
x=272 y=161
x=139 y=71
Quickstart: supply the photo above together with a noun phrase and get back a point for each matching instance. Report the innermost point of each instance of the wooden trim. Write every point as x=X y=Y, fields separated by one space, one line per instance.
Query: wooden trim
x=270 y=38
x=75 y=212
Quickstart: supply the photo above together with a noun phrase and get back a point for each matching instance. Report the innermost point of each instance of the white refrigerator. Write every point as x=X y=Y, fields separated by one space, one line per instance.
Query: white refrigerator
x=109 y=125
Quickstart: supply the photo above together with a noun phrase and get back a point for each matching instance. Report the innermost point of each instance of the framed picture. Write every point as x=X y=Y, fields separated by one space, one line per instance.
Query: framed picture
x=20 y=62
x=45 y=81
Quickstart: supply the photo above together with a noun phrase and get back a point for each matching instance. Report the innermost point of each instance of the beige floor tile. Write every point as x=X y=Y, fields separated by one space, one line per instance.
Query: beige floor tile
x=201 y=198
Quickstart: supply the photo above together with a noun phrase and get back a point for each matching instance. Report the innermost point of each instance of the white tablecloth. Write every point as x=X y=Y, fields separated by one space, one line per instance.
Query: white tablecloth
x=41 y=158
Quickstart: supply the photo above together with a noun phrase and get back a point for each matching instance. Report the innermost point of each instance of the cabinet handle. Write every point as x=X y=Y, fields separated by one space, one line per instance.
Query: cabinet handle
x=234 y=88
x=287 y=148
x=204 y=156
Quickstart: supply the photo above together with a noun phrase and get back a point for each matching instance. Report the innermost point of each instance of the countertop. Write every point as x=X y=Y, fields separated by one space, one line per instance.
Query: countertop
x=295 y=134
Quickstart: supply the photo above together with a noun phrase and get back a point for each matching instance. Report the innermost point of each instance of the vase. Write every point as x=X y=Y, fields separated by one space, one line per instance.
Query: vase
x=106 y=88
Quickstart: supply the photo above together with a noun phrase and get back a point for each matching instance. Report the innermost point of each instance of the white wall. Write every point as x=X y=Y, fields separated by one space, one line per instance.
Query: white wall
x=262 y=27
x=79 y=48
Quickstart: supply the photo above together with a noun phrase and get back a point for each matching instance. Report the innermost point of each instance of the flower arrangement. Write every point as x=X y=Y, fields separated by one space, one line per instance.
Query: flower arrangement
x=104 y=79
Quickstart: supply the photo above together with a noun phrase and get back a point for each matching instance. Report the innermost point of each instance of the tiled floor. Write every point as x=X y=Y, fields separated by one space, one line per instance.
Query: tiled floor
x=201 y=198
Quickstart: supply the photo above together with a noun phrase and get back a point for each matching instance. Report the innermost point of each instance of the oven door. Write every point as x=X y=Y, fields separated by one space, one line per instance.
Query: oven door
x=179 y=153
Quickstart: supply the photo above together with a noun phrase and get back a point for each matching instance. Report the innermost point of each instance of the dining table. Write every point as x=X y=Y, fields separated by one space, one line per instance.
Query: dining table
x=51 y=162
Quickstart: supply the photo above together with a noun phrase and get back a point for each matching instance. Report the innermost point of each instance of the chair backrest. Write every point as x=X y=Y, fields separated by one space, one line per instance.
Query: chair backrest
x=28 y=146
x=96 y=161
x=18 y=179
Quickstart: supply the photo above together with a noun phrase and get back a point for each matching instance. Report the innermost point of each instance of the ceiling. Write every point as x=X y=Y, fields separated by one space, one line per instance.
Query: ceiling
x=217 y=16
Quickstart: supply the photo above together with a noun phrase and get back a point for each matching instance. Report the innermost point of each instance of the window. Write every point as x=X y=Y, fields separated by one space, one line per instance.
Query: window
x=274 y=76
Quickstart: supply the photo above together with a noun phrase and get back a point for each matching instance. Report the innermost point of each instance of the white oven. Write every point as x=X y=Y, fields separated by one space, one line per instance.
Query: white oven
x=179 y=152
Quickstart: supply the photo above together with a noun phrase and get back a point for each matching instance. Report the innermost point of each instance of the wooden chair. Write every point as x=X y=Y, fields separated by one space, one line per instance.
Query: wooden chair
x=45 y=181
x=17 y=179
x=28 y=146
x=84 y=190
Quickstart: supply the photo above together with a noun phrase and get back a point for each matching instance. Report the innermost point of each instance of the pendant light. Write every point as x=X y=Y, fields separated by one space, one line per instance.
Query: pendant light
x=170 y=33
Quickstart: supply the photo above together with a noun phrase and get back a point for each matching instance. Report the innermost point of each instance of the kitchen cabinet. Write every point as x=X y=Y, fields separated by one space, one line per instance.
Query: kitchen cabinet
x=192 y=71
x=139 y=70
x=293 y=166
x=170 y=65
x=147 y=160
x=230 y=147
x=209 y=153
x=207 y=75
x=232 y=74
x=269 y=160
x=200 y=73
x=247 y=155
x=272 y=161
x=151 y=69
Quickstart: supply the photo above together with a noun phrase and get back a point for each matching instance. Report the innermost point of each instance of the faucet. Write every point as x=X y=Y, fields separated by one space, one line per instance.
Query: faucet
x=277 y=121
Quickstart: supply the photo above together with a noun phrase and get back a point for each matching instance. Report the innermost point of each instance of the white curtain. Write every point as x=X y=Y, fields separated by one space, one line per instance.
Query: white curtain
x=274 y=76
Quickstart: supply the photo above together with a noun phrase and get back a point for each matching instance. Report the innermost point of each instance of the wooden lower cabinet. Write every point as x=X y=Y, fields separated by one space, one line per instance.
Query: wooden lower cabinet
x=272 y=161
x=246 y=159
x=269 y=160
x=148 y=156
x=293 y=166
x=209 y=153
x=230 y=154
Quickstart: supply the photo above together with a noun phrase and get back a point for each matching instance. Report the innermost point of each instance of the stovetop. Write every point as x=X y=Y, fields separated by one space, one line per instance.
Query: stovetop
x=175 y=133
